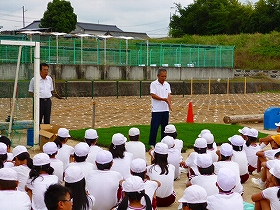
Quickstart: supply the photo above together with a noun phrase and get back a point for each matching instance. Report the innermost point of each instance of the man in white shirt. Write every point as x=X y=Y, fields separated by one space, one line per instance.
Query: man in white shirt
x=45 y=93
x=161 y=105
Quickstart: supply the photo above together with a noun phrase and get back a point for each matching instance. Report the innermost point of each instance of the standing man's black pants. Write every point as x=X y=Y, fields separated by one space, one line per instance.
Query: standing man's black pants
x=45 y=110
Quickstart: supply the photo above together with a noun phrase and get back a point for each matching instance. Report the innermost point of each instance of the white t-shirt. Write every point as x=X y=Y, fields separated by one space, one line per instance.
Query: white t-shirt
x=137 y=148
x=270 y=153
x=93 y=150
x=235 y=168
x=240 y=158
x=64 y=153
x=91 y=202
x=39 y=187
x=231 y=201
x=150 y=189
x=85 y=167
x=46 y=87
x=103 y=185
x=178 y=144
x=190 y=162
x=208 y=182
x=174 y=158
x=251 y=154
x=162 y=91
x=166 y=180
x=271 y=194
x=57 y=165
x=213 y=154
x=14 y=200
x=22 y=175
x=122 y=165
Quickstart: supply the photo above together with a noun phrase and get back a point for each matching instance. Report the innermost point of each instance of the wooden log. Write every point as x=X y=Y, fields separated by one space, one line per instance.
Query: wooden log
x=243 y=118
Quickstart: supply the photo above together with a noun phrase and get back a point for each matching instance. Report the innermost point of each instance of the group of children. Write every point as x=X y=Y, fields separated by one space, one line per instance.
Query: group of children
x=121 y=177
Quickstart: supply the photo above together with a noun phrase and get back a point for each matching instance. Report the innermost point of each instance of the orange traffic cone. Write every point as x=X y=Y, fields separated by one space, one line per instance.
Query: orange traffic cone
x=190 y=114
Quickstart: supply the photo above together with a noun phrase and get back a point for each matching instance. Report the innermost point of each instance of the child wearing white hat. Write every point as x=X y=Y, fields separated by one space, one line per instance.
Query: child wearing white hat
x=40 y=177
x=211 y=145
x=163 y=172
x=4 y=156
x=268 y=140
x=103 y=183
x=170 y=130
x=225 y=199
x=122 y=158
x=8 y=142
x=174 y=156
x=244 y=132
x=134 y=145
x=10 y=197
x=134 y=190
x=138 y=168
x=226 y=152
x=207 y=179
x=81 y=151
x=23 y=165
x=65 y=152
x=50 y=148
x=239 y=156
x=270 y=197
x=194 y=198
x=251 y=148
x=200 y=147
x=91 y=139
x=75 y=181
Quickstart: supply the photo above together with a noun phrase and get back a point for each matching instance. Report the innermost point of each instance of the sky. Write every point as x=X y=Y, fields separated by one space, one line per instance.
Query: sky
x=146 y=16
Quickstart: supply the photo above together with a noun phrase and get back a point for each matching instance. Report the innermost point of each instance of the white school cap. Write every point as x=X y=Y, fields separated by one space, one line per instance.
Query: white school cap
x=91 y=134
x=244 y=131
x=41 y=159
x=73 y=174
x=236 y=140
x=169 y=141
x=226 y=149
x=253 y=133
x=204 y=131
x=133 y=184
x=8 y=174
x=104 y=157
x=138 y=165
x=63 y=132
x=3 y=148
x=170 y=129
x=277 y=124
x=81 y=149
x=18 y=150
x=161 y=148
x=200 y=143
x=194 y=194
x=50 y=148
x=275 y=171
x=226 y=179
x=209 y=137
x=118 y=139
x=203 y=160
x=133 y=132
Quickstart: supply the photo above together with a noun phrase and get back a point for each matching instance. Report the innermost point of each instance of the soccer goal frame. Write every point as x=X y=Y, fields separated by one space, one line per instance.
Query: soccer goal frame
x=36 y=46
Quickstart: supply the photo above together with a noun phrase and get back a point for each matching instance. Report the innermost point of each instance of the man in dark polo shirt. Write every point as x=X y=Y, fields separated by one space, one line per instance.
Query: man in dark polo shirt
x=45 y=93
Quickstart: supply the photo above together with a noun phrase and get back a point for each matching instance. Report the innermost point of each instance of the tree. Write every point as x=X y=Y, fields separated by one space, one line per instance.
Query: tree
x=59 y=16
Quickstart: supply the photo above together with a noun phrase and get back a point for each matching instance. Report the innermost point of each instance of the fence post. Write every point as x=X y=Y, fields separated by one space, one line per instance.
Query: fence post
x=140 y=88
x=93 y=114
x=209 y=86
x=117 y=92
x=183 y=89
x=66 y=89
x=92 y=89
x=228 y=85
x=245 y=85
x=191 y=86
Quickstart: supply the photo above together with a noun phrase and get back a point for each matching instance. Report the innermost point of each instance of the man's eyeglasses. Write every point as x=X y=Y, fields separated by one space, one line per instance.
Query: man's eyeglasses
x=69 y=200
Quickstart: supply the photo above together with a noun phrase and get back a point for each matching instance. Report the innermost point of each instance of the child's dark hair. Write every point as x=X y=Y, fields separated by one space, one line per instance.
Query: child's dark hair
x=237 y=148
x=80 y=159
x=250 y=140
x=36 y=171
x=196 y=206
x=90 y=141
x=141 y=175
x=134 y=138
x=3 y=158
x=8 y=184
x=200 y=150
x=174 y=135
x=103 y=167
x=277 y=154
x=223 y=158
x=117 y=150
x=210 y=146
x=206 y=171
x=25 y=156
x=135 y=196
x=59 y=140
x=161 y=161
x=6 y=141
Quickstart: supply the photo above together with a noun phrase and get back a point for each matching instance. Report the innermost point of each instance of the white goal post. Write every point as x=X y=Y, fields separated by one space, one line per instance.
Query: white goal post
x=36 y=83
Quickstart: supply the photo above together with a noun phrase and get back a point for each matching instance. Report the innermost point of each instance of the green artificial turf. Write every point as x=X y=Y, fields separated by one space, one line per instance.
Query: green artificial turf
x=187 y=132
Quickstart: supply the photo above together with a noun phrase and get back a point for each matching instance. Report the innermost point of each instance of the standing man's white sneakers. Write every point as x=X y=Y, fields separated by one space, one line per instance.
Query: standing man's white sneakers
x=258 y=183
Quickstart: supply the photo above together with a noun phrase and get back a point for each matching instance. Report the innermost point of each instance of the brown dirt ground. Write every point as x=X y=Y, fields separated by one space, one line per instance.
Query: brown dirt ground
x=77 y=113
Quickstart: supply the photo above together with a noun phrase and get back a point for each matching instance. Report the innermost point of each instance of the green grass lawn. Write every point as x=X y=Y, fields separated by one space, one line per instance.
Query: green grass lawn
x=187 y=132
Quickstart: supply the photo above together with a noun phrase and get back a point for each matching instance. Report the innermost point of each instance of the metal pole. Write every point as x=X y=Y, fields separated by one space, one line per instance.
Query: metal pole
x=140 y=89
x=92 y=89
x=93 y=114
x=66 y=89
x=36 y=92
x=117 y=92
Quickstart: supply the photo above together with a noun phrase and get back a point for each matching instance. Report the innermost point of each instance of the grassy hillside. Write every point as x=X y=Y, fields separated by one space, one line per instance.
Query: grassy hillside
x=252 y=51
